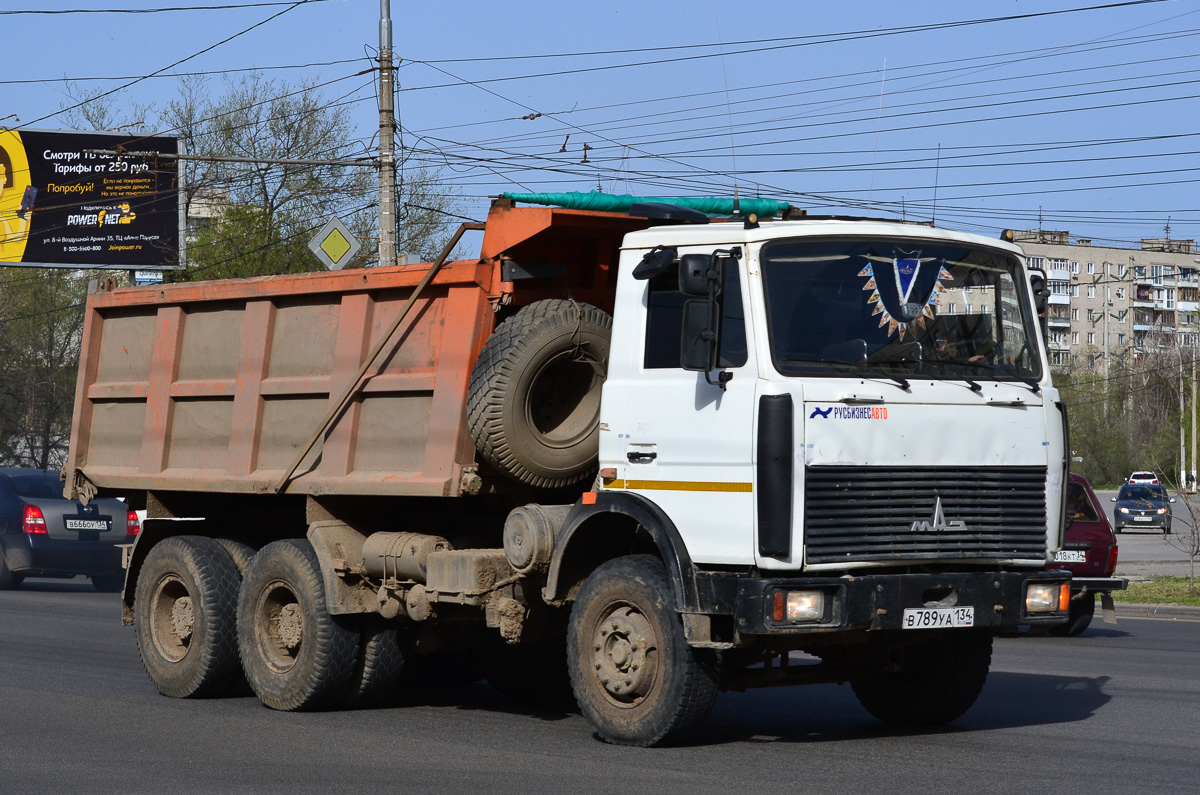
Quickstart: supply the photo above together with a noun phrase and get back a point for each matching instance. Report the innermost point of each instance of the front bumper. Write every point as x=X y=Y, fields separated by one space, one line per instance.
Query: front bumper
x=878 y=602
x=1160 y=523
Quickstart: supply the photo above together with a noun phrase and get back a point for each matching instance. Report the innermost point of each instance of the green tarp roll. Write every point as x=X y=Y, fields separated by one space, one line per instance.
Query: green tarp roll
x=621 y=202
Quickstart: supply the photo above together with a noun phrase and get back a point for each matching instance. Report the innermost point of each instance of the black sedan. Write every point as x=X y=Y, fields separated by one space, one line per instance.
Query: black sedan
x=44 y=535
x=1142 y=505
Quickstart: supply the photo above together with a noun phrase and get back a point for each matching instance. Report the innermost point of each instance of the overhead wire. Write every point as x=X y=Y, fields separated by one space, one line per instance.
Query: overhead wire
x=162 y=10
x=790 y=43
x=137 y=80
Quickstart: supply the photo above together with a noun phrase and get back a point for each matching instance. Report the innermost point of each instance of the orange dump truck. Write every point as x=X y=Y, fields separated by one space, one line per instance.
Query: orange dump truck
x=636 y=457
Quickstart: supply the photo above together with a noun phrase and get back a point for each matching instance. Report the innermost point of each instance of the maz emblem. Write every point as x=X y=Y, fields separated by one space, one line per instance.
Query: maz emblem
x=939 y=521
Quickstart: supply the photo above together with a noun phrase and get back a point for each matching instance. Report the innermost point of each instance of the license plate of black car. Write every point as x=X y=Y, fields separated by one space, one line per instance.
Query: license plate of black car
x=88 y=524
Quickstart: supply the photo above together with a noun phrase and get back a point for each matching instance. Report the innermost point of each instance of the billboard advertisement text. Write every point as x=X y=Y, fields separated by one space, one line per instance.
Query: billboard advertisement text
x=62 y=205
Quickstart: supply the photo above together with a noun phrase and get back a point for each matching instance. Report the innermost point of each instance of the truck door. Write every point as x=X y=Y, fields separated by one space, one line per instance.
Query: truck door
x=683 y=443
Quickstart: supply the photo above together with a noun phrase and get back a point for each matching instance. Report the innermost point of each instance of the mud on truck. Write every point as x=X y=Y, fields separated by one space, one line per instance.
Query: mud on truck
x=638 y=454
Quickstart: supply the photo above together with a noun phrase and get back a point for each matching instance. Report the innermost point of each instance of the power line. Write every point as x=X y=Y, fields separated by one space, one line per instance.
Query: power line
x=238 y=6
x=641 y=119
x=181 y=74
x=296 y=4
x=790 y=42
x=940 y=67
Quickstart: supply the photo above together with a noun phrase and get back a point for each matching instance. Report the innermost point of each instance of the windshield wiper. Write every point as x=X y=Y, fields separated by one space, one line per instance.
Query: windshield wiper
x=857 y=369
x=1028 y=381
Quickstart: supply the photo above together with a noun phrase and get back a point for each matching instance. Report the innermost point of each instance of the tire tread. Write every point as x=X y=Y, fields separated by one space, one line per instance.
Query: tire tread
x=698 y=670
x=335 y=646
x=496 y=368
x=217 y=666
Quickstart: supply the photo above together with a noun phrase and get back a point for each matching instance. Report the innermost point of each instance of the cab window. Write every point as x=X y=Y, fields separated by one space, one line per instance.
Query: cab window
x=664 y=321
x=1079 y=507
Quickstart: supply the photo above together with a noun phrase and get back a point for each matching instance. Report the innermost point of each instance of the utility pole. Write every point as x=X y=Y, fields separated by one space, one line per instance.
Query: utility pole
x=387 y=140
x=1107 y=304
x=1182 y=420
x=1193 y=421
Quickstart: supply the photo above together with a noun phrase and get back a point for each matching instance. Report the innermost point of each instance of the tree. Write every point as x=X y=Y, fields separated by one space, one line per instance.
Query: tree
x=41 y=321
x=1128 y=419
x=268 y=211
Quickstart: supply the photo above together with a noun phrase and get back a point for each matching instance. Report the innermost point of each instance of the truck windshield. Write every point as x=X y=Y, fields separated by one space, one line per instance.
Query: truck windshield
x=896 y=307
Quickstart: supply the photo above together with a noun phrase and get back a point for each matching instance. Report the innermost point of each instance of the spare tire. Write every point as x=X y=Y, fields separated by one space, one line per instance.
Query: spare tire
x=534 y=399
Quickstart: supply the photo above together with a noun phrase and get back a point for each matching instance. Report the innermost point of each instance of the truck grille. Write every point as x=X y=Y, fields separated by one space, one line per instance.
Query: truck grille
x=869 y=513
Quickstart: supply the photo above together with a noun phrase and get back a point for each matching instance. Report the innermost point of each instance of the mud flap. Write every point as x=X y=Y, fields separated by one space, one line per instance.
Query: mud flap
x=1109 y=607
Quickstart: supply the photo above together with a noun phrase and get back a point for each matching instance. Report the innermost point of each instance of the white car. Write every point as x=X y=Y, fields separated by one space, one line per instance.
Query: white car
x=1143 y=477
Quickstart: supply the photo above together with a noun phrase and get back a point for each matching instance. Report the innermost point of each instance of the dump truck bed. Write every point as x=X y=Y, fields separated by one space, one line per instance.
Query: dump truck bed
x=217 y=386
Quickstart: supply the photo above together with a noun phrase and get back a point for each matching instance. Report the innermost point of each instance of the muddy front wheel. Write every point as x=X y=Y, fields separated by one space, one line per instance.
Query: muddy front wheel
x=634 y=676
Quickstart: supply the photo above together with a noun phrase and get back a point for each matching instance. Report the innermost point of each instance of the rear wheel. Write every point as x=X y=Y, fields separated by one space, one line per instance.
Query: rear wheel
x=940 y=679
x=635 y=678
x=1079 y=617
x=377 y=670
x=185 y=615
x=295 y=654
x=108 y=583
x=240 y=553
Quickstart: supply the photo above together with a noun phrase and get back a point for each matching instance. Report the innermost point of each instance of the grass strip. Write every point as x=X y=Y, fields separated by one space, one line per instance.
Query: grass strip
x=1163 y=591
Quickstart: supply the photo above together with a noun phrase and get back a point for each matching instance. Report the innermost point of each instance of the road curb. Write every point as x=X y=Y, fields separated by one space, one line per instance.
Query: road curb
x=1178 y=612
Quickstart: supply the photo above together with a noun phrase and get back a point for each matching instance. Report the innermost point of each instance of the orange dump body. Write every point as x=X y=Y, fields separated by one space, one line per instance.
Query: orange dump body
x=216 y=386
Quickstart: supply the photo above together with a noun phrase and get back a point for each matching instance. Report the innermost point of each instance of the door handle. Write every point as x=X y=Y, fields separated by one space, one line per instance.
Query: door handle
x=641 y=458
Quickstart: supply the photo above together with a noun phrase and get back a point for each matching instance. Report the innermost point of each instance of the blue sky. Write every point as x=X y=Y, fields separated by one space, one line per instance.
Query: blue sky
x=1088 y=118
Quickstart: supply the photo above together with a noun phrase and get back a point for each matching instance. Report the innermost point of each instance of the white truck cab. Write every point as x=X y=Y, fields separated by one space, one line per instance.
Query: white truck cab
x=879 y=398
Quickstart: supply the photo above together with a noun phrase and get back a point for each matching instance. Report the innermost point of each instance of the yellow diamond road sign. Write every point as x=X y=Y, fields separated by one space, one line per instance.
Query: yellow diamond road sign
x=334 y=245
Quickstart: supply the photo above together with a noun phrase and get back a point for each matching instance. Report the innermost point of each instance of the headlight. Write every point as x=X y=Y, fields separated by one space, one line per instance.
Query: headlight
x=1162 y=510
x=805 y=605
x=1123 y=509
x=1047 y=597
x=796 y=606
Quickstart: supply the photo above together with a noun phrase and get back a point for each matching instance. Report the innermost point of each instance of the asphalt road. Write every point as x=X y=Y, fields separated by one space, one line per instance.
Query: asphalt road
x=1110 y=711
x=1147 y=553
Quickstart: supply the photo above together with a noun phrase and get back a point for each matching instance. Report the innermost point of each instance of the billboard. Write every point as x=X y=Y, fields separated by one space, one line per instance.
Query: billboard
x=64 y=206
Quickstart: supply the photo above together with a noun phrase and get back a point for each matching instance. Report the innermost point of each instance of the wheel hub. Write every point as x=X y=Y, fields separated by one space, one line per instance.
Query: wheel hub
x=291 y=626
x=624 y=646
x=172 y=618
x=183 y=617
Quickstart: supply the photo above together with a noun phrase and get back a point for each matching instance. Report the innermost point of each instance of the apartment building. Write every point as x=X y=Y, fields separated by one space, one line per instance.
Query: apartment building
x=1107 y=302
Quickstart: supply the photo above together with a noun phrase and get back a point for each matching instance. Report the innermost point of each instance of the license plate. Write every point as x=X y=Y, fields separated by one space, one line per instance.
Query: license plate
x=87 y=524
x=1070 y=556
x=938 y=617
x=1142 y=518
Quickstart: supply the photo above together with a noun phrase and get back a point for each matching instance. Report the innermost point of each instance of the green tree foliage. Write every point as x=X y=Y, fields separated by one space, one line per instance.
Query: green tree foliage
x=39 y=356
x=263 y=214
x=1127 y=421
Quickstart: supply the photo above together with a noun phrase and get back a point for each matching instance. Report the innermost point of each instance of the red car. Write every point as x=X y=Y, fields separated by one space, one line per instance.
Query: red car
x=1089 y=552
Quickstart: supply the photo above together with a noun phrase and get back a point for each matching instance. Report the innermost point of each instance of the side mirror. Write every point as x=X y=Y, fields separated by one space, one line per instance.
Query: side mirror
x=1041 y=291
x=699 y=274
x=701 y=327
